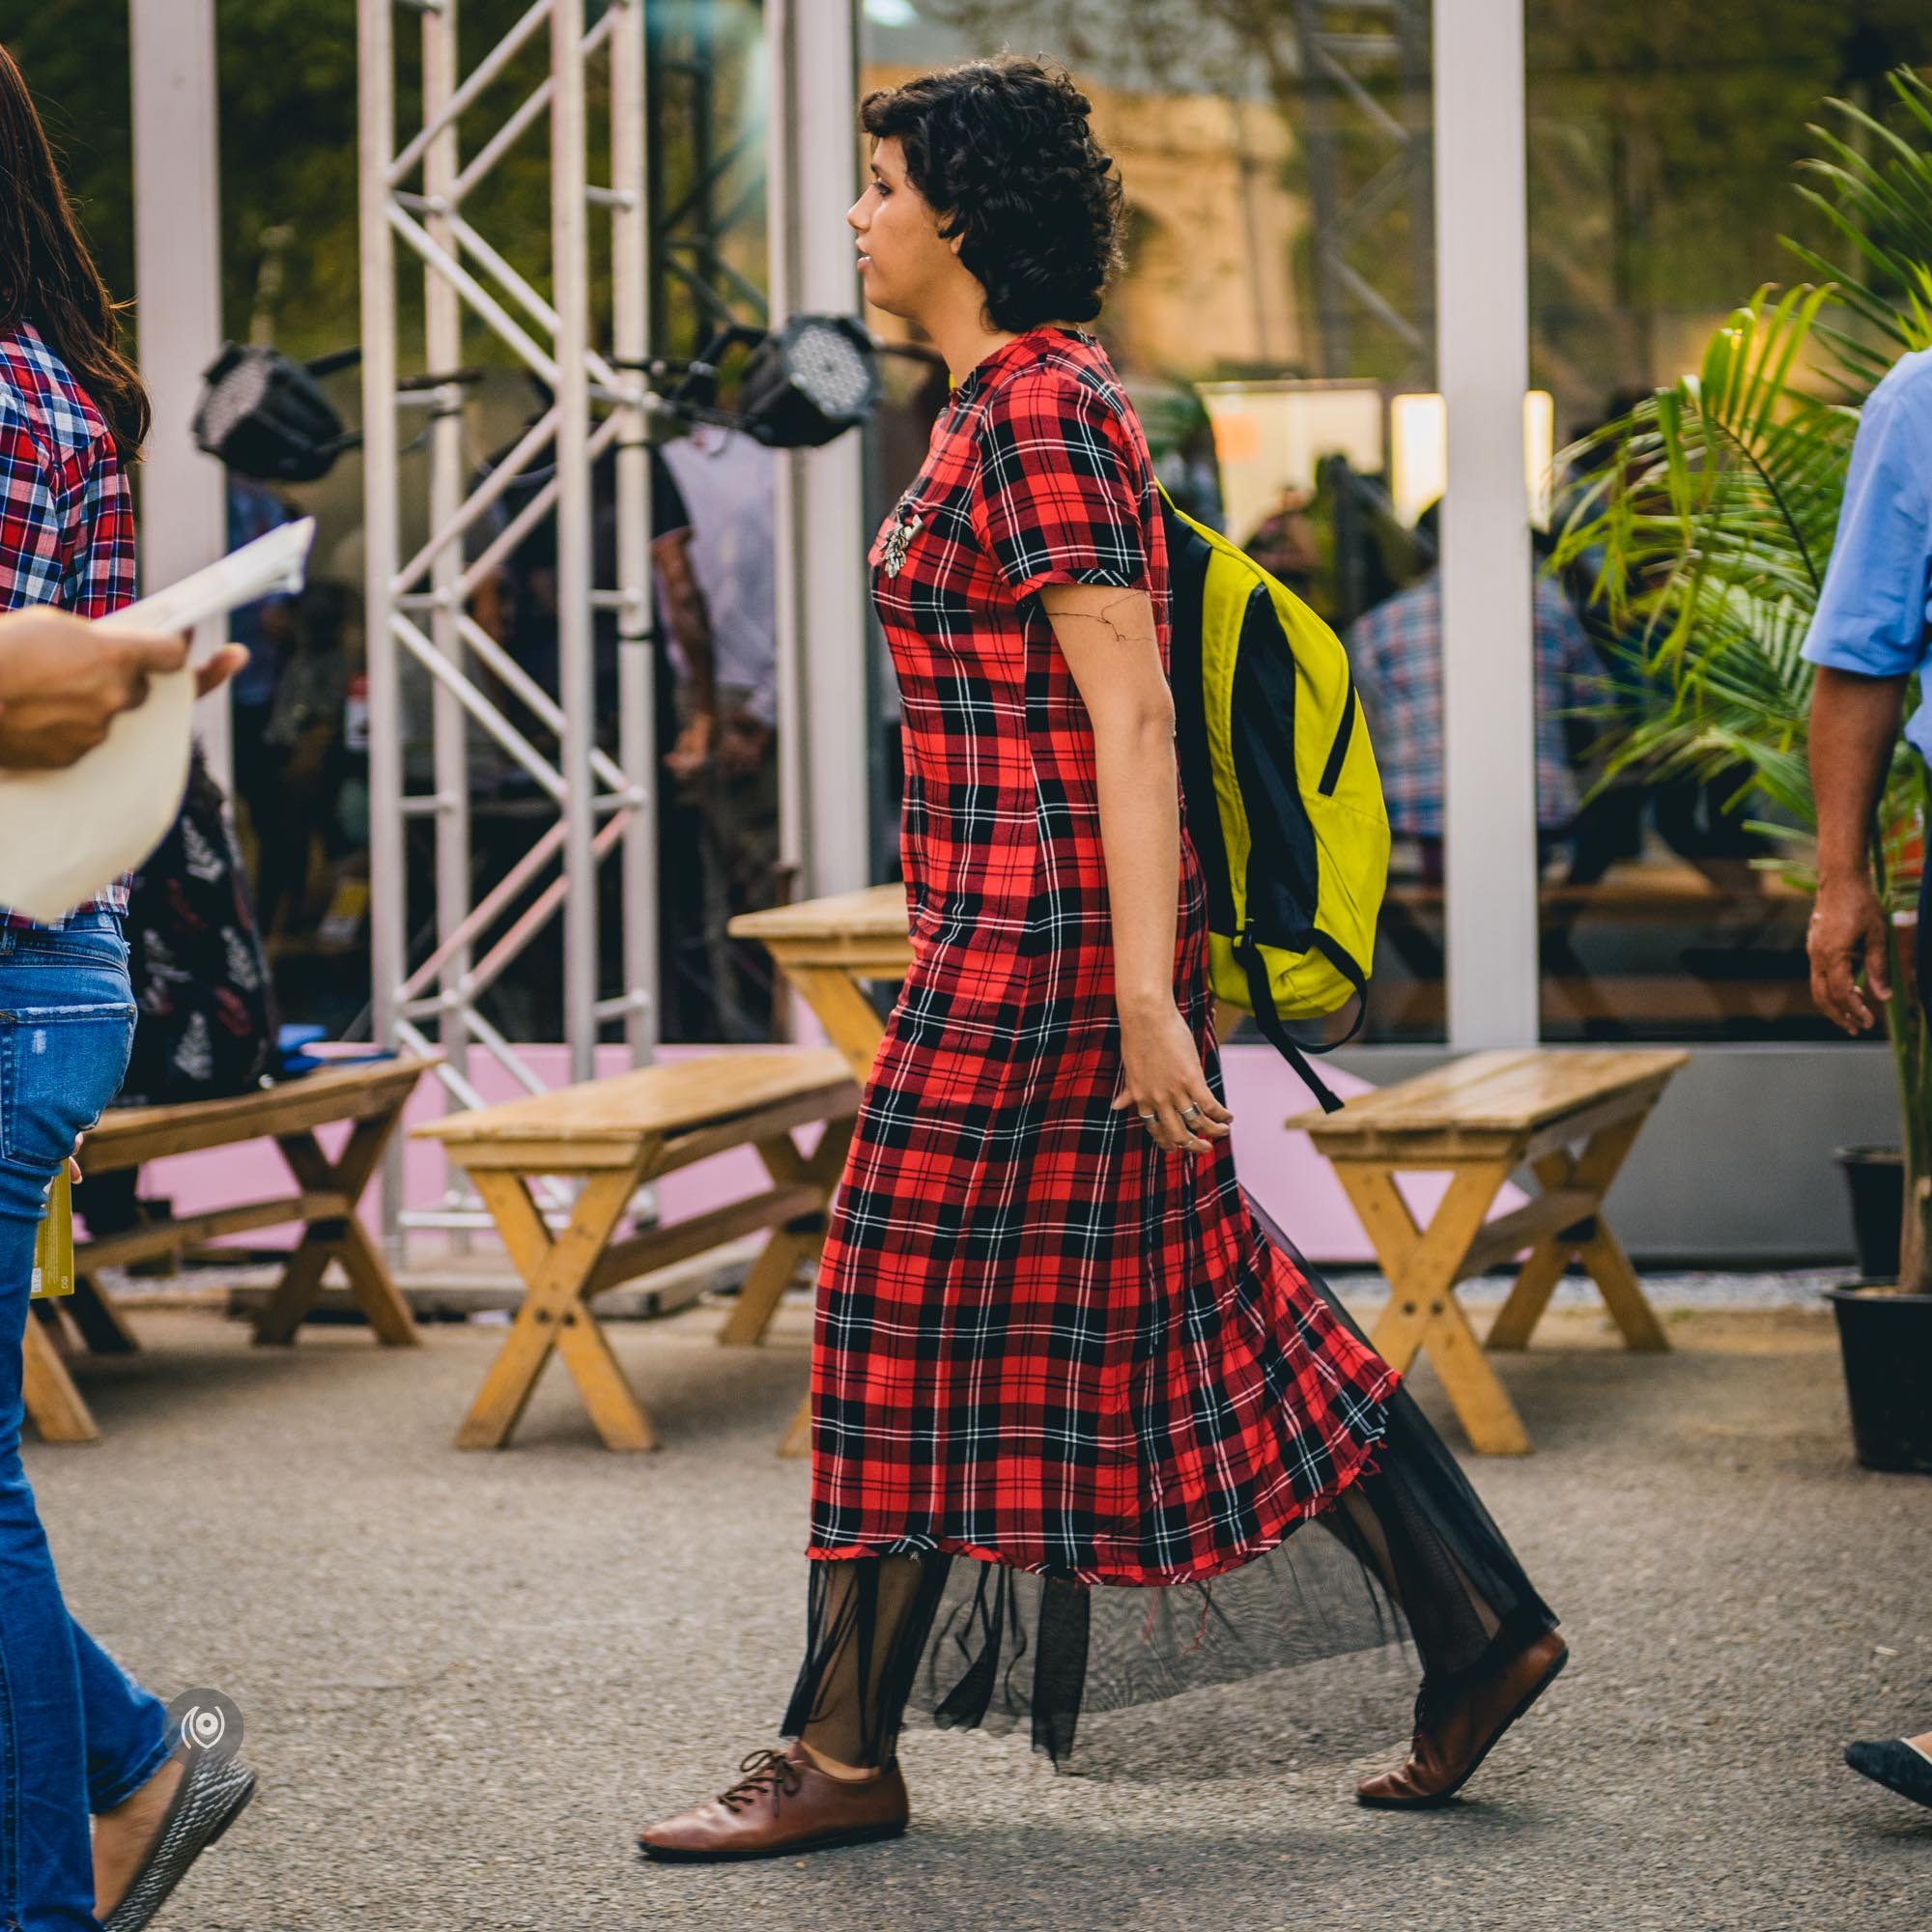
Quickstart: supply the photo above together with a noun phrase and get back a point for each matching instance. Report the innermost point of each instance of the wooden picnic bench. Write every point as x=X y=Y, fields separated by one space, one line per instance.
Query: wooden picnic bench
x=612 y=1137
x=367 y=1095
x=1480 y=1119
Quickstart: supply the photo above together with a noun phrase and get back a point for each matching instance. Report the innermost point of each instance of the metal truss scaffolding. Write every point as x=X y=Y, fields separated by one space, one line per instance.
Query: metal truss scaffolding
x=599 y=807
x=1367 y=138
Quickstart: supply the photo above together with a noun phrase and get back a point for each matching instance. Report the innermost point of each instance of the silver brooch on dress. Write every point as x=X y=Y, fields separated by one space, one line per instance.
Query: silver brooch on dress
x=904 y=529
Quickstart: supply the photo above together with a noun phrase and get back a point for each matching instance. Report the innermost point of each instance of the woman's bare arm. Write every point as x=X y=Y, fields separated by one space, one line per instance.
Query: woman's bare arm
x=1113 y=651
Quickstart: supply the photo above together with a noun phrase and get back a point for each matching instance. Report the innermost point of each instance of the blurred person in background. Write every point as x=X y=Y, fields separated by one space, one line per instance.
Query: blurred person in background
x=77 y=1734
x=726 y=748
x=1395 y=653
x=1869 y=638
x=304 y=744
x=266 y=631
x=517 y=604
x=1286 y=543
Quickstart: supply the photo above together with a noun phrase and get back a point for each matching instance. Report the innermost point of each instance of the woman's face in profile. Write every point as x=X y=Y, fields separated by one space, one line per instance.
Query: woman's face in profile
x=902 y=257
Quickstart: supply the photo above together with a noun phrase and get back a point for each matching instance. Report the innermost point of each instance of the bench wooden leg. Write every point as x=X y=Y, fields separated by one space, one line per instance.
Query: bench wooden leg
x=1622 y=1294
x=797 y=1241
x=344 y=1239
x=1590 y=1239
x=1423 y=1314
x=102 y=1326
x=797 y=1440
x=849 y=1019
x=57 y=1408
x=1536 y=1283
x=555 y=1314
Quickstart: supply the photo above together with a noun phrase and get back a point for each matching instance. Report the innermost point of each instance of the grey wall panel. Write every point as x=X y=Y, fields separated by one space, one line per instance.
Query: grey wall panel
x=1735 y=1167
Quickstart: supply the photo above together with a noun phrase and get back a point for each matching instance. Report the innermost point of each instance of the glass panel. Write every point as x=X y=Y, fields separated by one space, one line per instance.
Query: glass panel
x=289 y=250
x=1663 y=144
x=1275 y=320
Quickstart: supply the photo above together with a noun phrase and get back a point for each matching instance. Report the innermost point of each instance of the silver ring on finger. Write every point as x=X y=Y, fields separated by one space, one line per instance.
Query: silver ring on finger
x=1187 y=1113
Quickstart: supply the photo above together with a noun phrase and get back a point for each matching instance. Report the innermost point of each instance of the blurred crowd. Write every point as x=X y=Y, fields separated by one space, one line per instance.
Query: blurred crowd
x=301 y=741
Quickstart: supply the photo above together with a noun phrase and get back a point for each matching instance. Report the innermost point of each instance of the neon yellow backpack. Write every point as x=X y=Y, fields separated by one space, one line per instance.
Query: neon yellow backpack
x=1283 y=801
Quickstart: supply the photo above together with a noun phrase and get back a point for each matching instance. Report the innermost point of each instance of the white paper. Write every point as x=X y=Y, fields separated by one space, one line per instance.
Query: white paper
x=65 y=834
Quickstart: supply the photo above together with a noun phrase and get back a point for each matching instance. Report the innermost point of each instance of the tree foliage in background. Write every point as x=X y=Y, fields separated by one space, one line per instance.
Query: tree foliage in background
x=1657 y=131
x=286 y=80
x=1710 y=524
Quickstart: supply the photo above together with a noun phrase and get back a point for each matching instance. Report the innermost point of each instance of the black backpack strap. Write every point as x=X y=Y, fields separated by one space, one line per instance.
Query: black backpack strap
x=1260 y=995
x=1331 y=950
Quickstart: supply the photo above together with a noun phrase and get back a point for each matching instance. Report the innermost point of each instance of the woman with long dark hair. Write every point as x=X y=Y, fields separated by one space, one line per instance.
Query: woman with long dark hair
x=78 y=1735
x=1071 y=1396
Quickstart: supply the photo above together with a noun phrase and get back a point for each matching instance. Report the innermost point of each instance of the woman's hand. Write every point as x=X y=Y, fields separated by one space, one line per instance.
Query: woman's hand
x=1163 y=1078
x=64 y=681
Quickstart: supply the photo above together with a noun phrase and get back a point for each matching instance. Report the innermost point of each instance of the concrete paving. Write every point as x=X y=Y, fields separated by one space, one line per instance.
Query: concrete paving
x=466 y=1677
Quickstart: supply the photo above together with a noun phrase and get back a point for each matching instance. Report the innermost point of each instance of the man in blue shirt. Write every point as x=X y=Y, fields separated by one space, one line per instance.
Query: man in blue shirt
x=1872 y=634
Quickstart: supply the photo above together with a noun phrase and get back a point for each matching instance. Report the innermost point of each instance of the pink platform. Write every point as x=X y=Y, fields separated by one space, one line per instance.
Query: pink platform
x=1281 y=1170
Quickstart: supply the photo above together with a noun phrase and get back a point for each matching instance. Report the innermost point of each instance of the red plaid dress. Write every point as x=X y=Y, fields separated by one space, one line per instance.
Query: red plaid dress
x=1043 y=1341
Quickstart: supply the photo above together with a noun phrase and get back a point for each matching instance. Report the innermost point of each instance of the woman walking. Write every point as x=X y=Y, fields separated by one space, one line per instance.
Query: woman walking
x=1071 y=1398
x=76 y=1734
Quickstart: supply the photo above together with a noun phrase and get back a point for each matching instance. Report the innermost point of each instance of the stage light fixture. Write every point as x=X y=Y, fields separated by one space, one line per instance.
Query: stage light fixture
x=264 y=414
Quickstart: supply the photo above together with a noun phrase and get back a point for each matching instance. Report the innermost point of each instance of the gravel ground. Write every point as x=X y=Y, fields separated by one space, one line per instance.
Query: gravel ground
x=468 y=1677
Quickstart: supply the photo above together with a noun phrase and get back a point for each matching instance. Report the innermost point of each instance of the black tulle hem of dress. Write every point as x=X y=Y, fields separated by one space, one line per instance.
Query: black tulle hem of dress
x=1400 y=1552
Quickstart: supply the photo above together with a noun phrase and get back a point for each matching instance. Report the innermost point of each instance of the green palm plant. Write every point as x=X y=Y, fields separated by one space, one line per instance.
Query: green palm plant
x=1709 y=517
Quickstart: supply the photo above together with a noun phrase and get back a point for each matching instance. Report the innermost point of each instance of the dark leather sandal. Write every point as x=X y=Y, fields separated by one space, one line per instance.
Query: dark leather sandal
x=213 y=1794
x=1896 y=1765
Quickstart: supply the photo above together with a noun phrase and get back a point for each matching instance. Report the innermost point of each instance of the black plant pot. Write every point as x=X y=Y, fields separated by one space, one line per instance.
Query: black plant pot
x=1886 y=1341
x=1876 y=1178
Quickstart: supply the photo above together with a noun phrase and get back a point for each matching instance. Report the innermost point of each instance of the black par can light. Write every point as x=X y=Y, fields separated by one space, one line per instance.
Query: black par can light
x=812 y=379
x=264 y=414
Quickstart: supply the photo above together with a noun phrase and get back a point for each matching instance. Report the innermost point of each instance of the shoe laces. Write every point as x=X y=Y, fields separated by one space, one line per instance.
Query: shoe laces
x=1430 y=1701
x=763 y=1771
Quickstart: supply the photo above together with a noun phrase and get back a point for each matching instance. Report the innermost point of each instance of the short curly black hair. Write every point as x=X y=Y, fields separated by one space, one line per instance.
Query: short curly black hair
x=1002 y=150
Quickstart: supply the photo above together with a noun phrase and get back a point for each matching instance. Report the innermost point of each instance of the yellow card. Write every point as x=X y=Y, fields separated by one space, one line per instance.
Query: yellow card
x=53 y=1254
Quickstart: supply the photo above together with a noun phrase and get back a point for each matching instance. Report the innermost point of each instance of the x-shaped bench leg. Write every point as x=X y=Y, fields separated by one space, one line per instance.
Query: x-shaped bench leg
x=1423 y=1314
x=58 y=1409
x=344 y=1239
x=797 y=1241
x=555 y=1313
x=1590 y=1239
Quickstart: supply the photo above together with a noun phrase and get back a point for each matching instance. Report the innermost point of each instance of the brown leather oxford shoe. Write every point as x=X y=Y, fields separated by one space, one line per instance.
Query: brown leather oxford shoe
x=1453 y=1737
x=782 y=1804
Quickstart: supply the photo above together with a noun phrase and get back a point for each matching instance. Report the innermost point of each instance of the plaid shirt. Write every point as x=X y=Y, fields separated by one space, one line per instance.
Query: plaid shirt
x=1395 y=653
x=67 y=520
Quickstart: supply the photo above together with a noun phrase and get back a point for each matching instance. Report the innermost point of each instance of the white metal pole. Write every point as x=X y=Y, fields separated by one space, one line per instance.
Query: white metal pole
x=184 y=523
x=637 y=643
x=442 y=315
x=570 y=272
x=817 y=78
x=781 y=251
x=377 y=108
x=1489 y=711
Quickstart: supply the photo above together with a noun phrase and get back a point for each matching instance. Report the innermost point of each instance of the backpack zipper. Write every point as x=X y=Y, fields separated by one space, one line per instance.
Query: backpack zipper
x=1344 y=732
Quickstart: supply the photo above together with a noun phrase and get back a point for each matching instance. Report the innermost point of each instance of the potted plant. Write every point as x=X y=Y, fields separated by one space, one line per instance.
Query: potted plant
x=1707 y=516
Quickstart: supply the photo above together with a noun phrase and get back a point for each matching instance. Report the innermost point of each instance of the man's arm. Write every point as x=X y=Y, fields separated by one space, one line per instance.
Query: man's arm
x=1854 y=723
x=1868 y=635
x=690 y=624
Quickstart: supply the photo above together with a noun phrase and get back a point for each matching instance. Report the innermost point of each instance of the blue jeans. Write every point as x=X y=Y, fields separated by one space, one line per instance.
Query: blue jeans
x=76 y=1734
